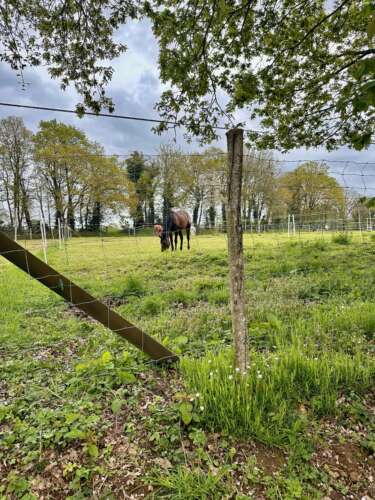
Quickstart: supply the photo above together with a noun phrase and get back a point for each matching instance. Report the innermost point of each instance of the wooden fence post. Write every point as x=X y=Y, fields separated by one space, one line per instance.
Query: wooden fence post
x=235 y=247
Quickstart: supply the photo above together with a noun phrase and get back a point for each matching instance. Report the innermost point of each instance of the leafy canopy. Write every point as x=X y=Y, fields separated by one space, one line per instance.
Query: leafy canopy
x=72 y=38
x=310 y=189
x=304 y=70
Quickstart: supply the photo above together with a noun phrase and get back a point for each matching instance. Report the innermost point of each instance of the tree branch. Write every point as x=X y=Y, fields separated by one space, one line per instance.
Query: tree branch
x=325 y=18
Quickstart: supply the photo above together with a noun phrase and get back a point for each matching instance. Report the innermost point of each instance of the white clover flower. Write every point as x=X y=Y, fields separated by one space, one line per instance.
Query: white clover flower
x=191 y=399
x=211 y=374
x=230 y=377
x=197 y=395
x=237 y=369
x=260 y=376
x=202 y=408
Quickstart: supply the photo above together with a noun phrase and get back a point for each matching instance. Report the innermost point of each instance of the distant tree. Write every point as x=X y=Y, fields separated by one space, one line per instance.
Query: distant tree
x=173 y=178
x=60 y=152
x=203 y=184
x=107 y=187
x=15 y=168
x=259 y=186
x=309 y=190
x=147 y=185
x=135 y=166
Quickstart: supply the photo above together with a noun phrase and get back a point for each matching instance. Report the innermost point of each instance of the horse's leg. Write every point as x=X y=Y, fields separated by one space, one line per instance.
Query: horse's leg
x=181 y=239
x=171 y=240
x=175 y=239
x=188 y=237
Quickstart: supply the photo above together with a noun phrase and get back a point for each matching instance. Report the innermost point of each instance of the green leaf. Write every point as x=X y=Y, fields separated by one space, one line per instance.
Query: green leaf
x=92 y=450
x=80 y=367
x=71 y=417
x=186 y=417
x=186 y=412
x=181 y=340
x=186 y=407
x=75 y=434
x=116 y=406
x=106 y=357
x=127 y=377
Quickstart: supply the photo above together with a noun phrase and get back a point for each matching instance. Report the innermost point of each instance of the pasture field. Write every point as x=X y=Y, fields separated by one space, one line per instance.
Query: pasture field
x=85 y=415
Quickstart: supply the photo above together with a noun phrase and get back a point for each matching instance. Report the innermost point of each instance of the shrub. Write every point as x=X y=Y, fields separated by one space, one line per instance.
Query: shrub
x=133 y=286
x=218 y=297
x=182 y=297
x=152 y=305
x=319 y=245
x=342 y=239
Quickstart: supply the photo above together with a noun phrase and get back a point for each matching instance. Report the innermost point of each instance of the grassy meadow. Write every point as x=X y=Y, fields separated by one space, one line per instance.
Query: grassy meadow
x=85 y=415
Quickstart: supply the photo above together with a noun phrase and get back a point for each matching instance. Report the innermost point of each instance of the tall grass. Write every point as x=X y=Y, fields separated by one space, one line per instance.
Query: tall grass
x=272 y=400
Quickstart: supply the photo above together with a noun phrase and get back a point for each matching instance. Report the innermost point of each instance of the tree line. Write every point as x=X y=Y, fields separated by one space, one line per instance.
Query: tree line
x=59 y=174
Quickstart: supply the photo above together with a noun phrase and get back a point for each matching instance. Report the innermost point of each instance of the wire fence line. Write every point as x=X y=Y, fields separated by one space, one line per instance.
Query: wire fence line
x=355 y=178
x=71 y=250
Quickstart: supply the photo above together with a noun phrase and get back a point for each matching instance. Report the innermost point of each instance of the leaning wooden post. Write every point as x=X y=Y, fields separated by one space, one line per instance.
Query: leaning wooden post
x=235 y=247
x=75 y=295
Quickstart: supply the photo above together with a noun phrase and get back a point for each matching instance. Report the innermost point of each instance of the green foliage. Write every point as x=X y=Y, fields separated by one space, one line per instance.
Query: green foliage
x=309 y=188
x=189 y=484
x=218 y=297
x=342 y=239
x=37 y=34
x=306 y=106
x=133 y=286
x=71 y=389
x=326 y=95
x=266 y=401
x=153 y=305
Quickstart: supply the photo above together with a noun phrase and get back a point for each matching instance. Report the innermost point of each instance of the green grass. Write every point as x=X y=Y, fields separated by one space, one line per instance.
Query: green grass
x=266 y=402
x=67 y=380
x=342 y=239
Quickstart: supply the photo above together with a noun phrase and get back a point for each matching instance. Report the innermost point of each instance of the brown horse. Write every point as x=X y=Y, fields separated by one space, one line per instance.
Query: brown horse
x=177 y=220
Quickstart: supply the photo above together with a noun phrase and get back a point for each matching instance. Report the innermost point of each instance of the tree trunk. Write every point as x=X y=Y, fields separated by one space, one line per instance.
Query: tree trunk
x=195 y=213
x=70 y=213
x=25 y=206
x=224 y=216
x=7 y=194
x=96 y=219
x=235 y=247
x=166 y=209
x=151 y=212
x=212 y=215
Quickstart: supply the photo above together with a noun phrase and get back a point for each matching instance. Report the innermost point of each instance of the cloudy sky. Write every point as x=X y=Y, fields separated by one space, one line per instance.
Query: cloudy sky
x=135 y=88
